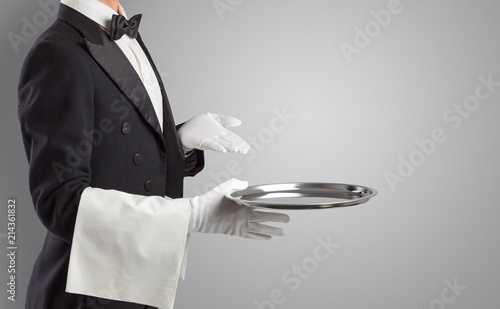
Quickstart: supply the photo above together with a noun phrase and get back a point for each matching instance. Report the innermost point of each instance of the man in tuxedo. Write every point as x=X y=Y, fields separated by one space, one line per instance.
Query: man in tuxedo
x=106 y=167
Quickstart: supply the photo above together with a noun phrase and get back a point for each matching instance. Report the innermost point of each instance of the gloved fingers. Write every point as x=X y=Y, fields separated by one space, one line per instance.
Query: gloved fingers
x=219 y=144
x=229 y=144
x=225 y=121
x=264 y=216
x=258 y=236
x=230 y=185
x=237 y=143
x=213 y=144
x=264 y=229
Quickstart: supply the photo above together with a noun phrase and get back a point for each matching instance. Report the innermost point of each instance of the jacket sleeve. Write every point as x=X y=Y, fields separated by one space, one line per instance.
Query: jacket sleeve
x=55 y=106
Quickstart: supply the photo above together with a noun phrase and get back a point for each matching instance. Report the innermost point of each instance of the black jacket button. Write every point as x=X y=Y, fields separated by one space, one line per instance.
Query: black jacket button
x=138 y=159
x=149 y=186
x=126 y=128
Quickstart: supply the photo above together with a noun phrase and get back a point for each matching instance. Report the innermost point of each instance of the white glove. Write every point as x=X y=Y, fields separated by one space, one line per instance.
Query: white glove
x=208 y=132
x=211 y=212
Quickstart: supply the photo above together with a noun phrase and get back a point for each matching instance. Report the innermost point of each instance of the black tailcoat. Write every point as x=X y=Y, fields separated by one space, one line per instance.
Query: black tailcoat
x=87 y=120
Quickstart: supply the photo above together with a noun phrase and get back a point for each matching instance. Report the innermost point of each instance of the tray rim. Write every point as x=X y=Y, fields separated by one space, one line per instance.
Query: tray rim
x=317 y=205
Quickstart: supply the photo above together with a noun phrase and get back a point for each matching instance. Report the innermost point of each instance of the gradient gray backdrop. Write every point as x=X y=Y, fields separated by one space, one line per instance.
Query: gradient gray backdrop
x=352 y=123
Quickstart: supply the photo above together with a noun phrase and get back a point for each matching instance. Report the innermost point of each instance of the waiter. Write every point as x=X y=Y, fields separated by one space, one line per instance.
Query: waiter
x=106 y=167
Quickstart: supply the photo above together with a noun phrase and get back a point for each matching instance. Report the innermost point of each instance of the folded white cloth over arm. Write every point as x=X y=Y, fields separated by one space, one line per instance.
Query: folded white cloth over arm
x=129 y=247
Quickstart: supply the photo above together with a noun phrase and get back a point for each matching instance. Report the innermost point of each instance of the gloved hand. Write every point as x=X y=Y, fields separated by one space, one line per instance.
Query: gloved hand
x=211 y=212
x=208 y=131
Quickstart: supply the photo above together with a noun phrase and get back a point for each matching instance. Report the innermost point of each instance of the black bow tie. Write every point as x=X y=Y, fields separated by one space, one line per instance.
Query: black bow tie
x=120 y=26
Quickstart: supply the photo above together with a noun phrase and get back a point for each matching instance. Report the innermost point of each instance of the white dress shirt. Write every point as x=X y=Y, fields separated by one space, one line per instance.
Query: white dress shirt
x=101 y=14
x=128 y=247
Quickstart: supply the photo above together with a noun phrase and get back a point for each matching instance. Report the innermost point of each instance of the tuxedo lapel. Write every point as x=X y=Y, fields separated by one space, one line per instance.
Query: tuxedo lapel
x=114 y=62
x=169 y=128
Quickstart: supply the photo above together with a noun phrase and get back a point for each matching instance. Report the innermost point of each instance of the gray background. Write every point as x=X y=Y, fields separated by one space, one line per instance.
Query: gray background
x=353 y=121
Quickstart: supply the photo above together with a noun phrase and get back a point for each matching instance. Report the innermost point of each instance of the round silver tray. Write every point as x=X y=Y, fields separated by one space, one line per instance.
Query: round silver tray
x=302 y=195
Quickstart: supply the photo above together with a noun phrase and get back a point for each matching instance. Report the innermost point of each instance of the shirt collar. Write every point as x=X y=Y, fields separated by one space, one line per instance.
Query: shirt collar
x=95 y=10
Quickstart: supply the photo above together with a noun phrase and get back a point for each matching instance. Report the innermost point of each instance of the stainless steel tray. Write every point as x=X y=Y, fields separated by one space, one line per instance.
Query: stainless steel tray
x=302 y=195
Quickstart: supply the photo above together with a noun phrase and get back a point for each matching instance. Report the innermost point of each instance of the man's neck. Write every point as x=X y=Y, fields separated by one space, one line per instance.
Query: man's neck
x=113 y=4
